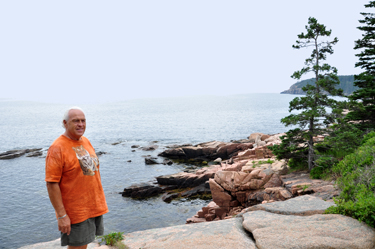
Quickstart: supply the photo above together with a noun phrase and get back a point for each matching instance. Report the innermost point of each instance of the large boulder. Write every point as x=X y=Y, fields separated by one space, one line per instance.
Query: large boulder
x=302 y=206
x=221 y=197
x=240 y=181
x=225 y=234
x=276 y=231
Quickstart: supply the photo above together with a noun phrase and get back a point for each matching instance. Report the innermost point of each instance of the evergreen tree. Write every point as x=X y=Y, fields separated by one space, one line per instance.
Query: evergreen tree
x=364 y=111
x=313 y=114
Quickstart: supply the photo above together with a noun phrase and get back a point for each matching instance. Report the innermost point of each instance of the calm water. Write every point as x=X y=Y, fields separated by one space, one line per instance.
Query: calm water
x=26 y=215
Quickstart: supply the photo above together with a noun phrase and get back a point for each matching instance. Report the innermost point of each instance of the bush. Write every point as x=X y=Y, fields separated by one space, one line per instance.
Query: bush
x=362 y=209
x=357 y=182
x=298 y=164
x=113 y=239
x=323 y=166
x=367 y=137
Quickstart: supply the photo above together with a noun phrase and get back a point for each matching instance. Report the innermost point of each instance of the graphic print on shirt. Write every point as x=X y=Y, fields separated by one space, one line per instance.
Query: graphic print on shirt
x=88 y=162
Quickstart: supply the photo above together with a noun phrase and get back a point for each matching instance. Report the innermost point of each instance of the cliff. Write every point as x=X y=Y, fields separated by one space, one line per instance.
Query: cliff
x=346 y=84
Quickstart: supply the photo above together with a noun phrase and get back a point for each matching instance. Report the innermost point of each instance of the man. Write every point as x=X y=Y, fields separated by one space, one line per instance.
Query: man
x=74 y=183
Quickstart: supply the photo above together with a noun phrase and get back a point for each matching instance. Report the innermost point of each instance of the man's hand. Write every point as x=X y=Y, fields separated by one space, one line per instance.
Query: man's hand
x=64 y=225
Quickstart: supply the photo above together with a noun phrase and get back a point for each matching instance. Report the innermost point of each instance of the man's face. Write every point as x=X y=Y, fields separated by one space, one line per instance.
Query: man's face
x=76 y=125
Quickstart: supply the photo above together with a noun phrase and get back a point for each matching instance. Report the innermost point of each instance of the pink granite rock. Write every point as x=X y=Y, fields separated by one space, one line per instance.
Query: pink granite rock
x=221 y=197
x=240 y=181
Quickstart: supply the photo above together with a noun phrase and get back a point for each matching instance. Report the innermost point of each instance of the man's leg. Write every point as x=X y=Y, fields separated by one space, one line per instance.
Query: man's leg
x=77 y=247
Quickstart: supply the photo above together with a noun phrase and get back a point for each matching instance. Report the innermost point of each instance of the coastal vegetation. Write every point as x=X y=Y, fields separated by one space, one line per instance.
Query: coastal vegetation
x=113 y=239
x=313 y=107
x=339 y=145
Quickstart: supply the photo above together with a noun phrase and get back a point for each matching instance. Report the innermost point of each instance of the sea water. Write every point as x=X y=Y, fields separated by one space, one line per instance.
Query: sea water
x=26 y=214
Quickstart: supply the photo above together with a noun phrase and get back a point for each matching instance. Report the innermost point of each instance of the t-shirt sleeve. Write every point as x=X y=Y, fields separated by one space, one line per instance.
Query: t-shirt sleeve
x=54 y=164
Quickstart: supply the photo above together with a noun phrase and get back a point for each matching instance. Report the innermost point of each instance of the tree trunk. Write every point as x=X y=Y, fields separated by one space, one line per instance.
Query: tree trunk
x=311 y=145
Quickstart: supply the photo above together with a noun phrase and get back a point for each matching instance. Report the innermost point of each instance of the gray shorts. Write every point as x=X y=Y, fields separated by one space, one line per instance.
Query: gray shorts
x=83 y=233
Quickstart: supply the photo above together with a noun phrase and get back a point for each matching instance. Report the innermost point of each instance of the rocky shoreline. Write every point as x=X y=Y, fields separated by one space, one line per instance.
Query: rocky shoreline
x=236 y=175
x=255 y=203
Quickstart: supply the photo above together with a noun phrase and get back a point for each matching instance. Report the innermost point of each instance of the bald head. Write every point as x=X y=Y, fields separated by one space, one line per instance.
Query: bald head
x=74 y=123
x=66 y=114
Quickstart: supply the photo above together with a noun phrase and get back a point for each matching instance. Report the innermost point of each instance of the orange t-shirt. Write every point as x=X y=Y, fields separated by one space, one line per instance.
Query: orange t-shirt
x=75 y=166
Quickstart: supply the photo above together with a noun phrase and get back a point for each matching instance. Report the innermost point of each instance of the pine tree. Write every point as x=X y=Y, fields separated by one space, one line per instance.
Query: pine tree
x=364 y=111
x=313 y=114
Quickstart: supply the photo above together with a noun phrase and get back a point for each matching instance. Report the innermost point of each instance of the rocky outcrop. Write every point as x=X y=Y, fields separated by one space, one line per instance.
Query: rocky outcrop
x=185 y=180
x=294 y=223
x=260 y=182
x=17 y=153
x=301 y=206
x=206 y=151
x=275 y=231
x=222 y=234
x=299 y=183
x=141 y=191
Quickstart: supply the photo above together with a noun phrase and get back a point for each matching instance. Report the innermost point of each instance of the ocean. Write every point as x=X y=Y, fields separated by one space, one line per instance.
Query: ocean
x=26 y=214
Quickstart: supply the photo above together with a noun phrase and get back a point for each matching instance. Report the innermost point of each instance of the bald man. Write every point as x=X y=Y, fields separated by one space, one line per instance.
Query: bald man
x=74 y=184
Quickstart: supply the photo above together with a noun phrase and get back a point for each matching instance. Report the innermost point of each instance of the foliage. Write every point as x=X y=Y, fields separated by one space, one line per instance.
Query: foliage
x=357 y=184
x=113 y=239
x=363 y=208
x=298 y=164
x=367 y=137
x=292 y=145
x=364 y=112
x=343 y=138
x=313 y=107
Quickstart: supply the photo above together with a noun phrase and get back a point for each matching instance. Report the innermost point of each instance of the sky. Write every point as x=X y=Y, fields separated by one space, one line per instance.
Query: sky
x=102 y=51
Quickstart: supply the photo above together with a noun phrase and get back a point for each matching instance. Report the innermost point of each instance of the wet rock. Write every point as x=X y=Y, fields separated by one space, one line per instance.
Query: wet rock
x=99 y=153
x=16 y=153
x=185 y=180
x=168 y=197
x=150 y=161
x=199 y=190
x=141 y=191
x=150 y=148
x=35 y=154
x=167 y=162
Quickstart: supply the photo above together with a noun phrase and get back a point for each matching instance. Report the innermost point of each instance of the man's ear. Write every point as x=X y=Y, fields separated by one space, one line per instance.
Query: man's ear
x=64 y=121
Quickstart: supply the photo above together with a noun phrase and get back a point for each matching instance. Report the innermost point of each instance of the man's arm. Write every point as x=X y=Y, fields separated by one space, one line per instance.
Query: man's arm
x=54 y=193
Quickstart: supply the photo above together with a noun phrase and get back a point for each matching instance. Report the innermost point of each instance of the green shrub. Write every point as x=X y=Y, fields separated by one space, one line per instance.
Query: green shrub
x=113 y=239
x=298 y=164
x=367 y=137
x=362 y=209
x=317 y=173
x=357 y=184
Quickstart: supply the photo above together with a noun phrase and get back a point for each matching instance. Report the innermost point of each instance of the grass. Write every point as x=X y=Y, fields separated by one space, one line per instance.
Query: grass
x=258 y=163
x=113 y=239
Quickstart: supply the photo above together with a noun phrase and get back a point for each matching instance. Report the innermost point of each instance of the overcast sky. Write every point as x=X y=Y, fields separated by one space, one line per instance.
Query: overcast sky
x=94 y=51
